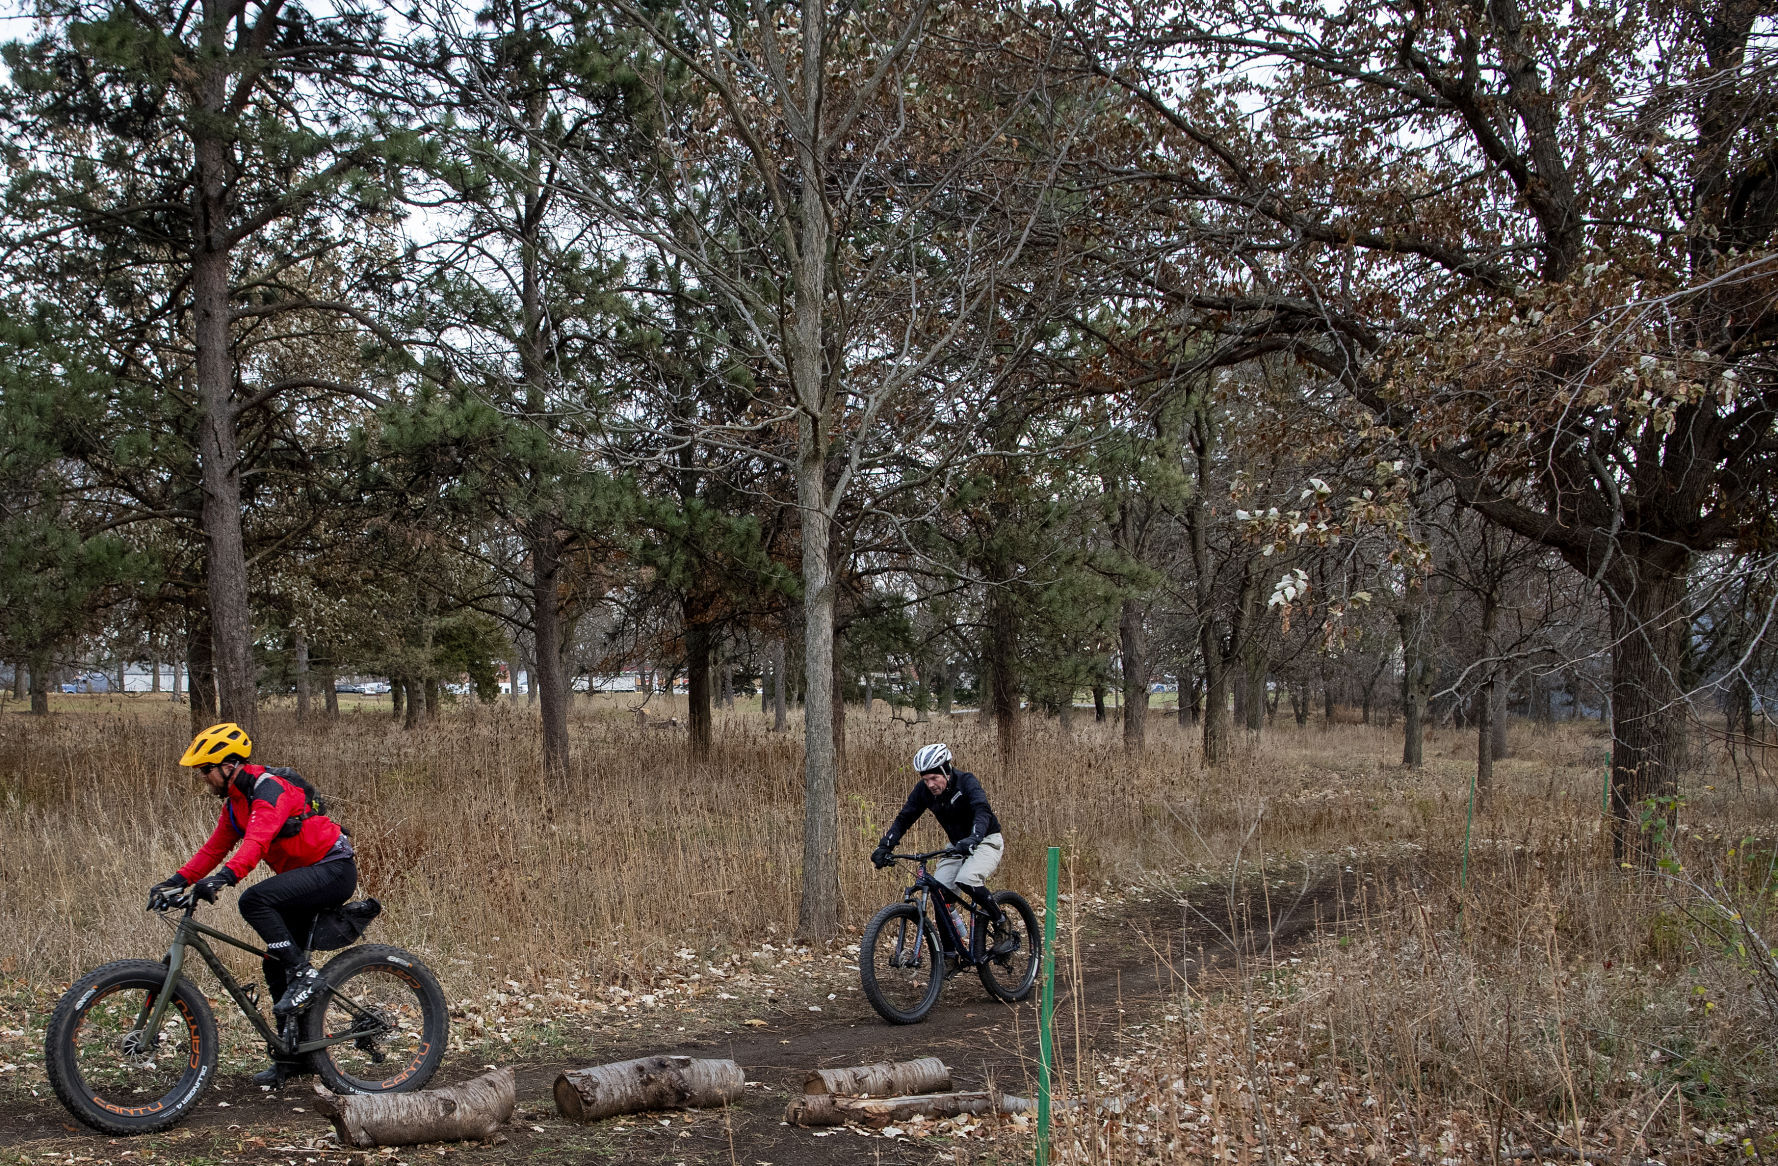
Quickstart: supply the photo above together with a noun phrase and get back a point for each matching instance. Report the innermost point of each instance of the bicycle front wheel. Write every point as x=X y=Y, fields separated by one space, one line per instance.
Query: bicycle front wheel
x=1011 y=950
x=108 y=1070
x=899 y=964
x=393 y=1013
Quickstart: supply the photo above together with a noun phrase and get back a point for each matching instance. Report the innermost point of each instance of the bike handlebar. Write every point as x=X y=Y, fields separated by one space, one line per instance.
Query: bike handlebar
x=176 y=900
x=951 y=849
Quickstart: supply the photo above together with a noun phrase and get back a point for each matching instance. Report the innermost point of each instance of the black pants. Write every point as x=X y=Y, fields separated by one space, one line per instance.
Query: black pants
x=283 y=909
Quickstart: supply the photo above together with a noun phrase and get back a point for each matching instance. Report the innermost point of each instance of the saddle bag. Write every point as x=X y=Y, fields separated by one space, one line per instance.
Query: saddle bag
x=341 y=926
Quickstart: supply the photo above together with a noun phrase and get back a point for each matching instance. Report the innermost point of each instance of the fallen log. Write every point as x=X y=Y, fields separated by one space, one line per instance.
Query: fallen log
x=827 y=1109
x=472 y=1110
x=601 y=1091
x=886 y=1079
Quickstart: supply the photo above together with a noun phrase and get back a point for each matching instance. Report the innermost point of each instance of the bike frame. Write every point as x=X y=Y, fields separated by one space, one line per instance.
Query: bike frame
x=924 y=890
x=189 y=933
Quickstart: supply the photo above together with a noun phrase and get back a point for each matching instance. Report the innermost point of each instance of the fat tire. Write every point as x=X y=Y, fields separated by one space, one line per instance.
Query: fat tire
x=435 y=1025
x=935 y=981
x=62 y=1066
x=1014 y=906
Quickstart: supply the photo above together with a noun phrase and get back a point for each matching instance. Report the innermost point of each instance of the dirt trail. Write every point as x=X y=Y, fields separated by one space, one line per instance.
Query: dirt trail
x=1126 y=959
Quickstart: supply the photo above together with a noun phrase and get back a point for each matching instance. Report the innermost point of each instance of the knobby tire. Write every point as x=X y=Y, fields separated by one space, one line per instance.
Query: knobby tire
x=883 y=929
x=1012 y=976
x=402 y=992
x=107 y=1084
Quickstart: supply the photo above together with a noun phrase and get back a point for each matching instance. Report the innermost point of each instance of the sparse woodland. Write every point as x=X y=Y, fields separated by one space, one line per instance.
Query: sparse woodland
x=1262 y=438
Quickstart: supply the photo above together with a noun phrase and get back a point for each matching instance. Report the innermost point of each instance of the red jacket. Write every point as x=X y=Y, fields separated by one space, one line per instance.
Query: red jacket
x=267 y=801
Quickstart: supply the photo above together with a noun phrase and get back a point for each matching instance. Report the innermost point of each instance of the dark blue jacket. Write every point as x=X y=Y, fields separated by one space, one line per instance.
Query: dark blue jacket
x=962 y=810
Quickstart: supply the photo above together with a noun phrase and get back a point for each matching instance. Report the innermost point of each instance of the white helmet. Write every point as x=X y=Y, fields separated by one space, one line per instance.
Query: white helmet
x=932 y=758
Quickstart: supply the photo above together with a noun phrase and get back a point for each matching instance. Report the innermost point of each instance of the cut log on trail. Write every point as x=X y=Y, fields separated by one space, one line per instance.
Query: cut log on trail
x=887 y=1079
x=585 y=1095
x=826 y=1109
x=474 y=1110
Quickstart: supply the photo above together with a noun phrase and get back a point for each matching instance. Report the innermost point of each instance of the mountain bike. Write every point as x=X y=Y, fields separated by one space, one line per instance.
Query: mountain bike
x=912 y=947
x=131 y=1047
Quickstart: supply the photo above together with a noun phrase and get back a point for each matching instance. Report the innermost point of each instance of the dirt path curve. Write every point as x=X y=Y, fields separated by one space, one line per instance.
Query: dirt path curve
x=1127 y=959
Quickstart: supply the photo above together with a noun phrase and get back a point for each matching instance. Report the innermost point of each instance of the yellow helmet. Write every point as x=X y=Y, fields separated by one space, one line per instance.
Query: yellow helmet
x=224 y=742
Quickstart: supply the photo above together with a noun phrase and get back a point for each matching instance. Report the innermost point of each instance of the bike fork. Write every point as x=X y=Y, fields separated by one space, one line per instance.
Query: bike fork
x=148 y=1022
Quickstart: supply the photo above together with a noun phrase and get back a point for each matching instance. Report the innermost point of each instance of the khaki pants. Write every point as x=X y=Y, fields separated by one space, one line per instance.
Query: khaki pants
x=973 y=871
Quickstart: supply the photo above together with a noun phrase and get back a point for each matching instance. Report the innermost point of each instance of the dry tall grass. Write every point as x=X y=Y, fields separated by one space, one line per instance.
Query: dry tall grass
x=1536 y=1004
x=1564 y=996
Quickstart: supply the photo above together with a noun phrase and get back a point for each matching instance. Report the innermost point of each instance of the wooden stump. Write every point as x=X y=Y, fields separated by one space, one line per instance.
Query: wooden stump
x=827 y=1109
x=886 y=1079
x=601 y=1091
x=473 y=1110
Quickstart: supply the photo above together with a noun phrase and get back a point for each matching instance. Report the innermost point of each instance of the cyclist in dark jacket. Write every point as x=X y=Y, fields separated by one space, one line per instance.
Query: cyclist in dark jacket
x=960 y=804
x=272 y=815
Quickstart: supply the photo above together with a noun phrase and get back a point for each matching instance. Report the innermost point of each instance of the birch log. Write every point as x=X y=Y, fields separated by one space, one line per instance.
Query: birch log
x=586 y=1095
x=473 y=1110
x=885 y=1079
x=826 y=1109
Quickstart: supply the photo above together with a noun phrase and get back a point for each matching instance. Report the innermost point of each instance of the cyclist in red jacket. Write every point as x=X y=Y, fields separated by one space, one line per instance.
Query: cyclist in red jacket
x=271 y=814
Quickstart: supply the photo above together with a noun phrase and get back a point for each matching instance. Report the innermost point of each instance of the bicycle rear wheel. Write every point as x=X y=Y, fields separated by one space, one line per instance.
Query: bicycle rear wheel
x=1011 y=974
x=899 y=964
x=107 y=1070
x=391 y=1006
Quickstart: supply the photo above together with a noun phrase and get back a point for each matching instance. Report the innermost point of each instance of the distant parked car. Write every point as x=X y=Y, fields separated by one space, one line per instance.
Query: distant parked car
x=376 y=688
x=348 y=688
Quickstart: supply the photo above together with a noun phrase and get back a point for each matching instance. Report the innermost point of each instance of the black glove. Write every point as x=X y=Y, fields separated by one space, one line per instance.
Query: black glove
x=880 y=856
x=160 y=893
x=963 y=846
x=208 y=887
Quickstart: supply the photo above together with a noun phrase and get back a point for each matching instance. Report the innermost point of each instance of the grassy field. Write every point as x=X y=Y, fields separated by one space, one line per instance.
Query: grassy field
x=1534 y=993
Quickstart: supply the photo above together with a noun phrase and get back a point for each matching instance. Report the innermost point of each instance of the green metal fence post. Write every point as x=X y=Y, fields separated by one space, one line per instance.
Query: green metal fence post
x=1046 y=1010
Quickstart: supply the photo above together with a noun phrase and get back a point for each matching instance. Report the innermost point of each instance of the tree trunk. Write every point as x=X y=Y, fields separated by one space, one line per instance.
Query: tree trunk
x=1099 y=703
x=1218 y=732
x=884 y=1079
x=415 y=704
x=1133 y=642
x=826 y=1109
x=154 y=666
x=1254 y=664
x=39 y=669
x=869 y=696
x=1299 y=703
x=697 y=672
x=430 y=689
x=302 y=678
x=818 y=909
x=648 y=1083
x=513 y=669
x=200 y=678
x=1646 y=600
x=330 y=690
x=1002 y=668
x=550 y=673
x=1497 y=741
x=219 y=455
x=947 y=688
x=1484 y=754
x=397 y=696
x=470 y=1111
x=21 y=679
x=780 y=715
x=1416 y=679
